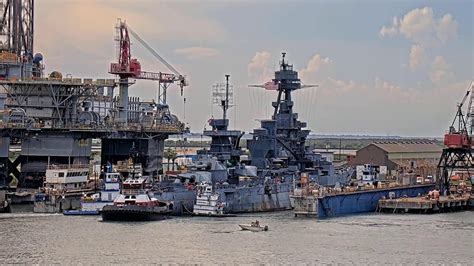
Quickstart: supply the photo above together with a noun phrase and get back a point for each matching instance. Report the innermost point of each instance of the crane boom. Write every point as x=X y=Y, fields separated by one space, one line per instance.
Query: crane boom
x=128 y=67
x=470 y=111
x=464 y=99
x=153 y=52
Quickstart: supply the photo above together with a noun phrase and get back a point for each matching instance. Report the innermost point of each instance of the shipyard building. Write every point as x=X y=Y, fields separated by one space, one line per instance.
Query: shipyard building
x=420 y=156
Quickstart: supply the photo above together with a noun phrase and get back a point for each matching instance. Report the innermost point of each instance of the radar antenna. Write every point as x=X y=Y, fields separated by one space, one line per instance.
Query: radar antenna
x=223 y=96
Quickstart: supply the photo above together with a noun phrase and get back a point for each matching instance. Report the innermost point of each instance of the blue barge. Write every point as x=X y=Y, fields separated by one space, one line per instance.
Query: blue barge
x=346 y=203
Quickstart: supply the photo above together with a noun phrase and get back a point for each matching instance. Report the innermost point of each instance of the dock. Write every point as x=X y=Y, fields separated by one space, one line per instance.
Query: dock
x=426 y=205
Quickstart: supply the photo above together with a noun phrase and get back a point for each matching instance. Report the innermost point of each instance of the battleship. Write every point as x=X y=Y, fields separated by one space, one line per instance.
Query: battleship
x=238 y=186
x=278 y=155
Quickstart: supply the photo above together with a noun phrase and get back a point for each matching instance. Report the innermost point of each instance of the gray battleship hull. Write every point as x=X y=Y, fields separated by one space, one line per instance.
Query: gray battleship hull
x=237 y=199
x=182 y=201
x=257 y=198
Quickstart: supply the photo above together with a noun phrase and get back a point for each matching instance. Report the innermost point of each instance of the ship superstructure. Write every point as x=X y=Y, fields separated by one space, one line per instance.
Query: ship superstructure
x=282 y=139
x=224 y=142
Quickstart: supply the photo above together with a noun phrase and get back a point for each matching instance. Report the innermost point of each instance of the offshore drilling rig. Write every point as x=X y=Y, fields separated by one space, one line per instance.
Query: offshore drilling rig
x=55 y=118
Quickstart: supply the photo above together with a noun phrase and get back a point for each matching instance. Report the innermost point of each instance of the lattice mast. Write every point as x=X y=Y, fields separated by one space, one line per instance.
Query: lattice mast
x=223 y=96
x=16 y=27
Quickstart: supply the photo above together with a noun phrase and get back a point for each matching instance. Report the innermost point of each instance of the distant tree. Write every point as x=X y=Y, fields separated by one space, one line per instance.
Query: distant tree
x=170 y=155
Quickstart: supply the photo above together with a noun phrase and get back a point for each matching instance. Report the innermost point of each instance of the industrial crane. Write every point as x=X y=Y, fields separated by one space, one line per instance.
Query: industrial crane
x=457 y=154
x=470 y=113
x=128 y=67
x=458 y=138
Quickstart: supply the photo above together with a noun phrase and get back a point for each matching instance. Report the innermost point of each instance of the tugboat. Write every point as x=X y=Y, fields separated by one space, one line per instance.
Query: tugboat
x=208 y=202
x=134 y=204
x=93 y=205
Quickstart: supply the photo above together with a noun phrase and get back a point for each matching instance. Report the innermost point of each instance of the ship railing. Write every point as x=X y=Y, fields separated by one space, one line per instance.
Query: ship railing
x=67 y=166
x=133 y=191
x=63 y=191
x=167 y=128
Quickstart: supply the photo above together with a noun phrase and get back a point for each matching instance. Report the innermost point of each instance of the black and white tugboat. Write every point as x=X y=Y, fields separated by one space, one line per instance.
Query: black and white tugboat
x=134 y=202
x=208 y=202
x=110 y=190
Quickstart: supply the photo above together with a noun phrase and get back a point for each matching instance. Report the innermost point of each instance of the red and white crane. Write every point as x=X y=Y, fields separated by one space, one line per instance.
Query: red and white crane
x=457 y=155
x=459 y=137
x=128 y=67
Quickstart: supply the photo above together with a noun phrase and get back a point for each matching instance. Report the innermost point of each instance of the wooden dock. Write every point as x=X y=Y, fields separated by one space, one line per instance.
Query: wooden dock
x=424 y=205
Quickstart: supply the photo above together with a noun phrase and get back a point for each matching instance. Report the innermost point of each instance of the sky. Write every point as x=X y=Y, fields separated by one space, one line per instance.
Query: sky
x=383 y=67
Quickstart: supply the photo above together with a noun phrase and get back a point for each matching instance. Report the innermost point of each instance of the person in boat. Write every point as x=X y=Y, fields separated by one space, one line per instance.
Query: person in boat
x=256 y=223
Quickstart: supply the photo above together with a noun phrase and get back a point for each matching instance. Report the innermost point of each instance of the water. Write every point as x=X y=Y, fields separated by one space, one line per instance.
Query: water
x=363 y=239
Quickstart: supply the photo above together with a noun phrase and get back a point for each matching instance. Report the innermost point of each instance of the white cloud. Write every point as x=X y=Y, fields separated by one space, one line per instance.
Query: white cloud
x=440 y=70
x=417 y=53
x=397 y=92
x=420 y=26
x=315 y=64
x=390 y=31
x=259 y=67
x=447 y=28
x=341 y=85
x=383 y=106
x=86 y=30
x=424 y=30
x=196 y=52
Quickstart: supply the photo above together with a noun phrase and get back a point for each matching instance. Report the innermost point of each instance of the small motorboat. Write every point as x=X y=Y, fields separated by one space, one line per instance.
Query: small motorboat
x=254 y=227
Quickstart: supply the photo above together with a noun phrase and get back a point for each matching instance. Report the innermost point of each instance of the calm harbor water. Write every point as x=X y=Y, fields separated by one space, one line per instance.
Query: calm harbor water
x=363 y=239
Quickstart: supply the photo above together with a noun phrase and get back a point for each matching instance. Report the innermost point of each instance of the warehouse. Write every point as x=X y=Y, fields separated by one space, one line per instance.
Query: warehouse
x=401 y=156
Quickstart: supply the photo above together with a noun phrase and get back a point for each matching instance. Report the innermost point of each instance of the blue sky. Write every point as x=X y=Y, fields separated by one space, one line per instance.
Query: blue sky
x=384 y=67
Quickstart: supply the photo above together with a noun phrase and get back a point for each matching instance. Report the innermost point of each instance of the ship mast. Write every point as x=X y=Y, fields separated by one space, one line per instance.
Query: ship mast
x=224 y=142
x=225 y=103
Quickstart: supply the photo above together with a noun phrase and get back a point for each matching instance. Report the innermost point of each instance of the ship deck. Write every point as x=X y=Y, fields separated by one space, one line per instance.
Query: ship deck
x=424 y=205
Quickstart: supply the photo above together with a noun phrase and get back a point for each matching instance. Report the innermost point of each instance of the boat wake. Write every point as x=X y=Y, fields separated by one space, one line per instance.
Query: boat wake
x=223 y=232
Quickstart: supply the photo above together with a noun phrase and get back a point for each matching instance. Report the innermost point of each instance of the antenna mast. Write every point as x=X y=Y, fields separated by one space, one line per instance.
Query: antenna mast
x=222 y=95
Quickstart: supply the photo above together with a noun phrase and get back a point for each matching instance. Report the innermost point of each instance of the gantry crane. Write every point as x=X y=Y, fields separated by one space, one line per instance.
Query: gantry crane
x=128 y=67
x=457 y=154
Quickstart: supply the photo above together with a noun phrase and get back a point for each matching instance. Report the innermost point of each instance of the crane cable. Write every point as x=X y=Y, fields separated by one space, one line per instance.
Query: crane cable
x=153 y=52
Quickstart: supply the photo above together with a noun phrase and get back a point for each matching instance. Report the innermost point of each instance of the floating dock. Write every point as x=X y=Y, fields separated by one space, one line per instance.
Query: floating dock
x=426 y=205
x=348 y=203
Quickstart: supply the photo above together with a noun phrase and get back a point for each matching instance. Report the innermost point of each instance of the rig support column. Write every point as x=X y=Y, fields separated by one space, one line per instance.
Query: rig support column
x=124 y=104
